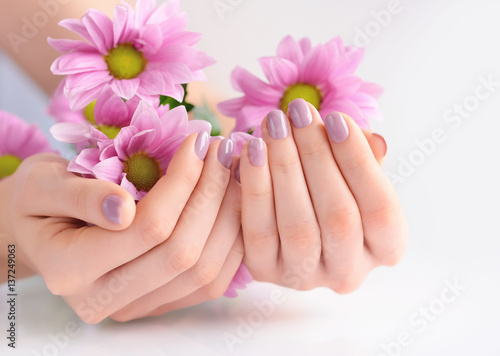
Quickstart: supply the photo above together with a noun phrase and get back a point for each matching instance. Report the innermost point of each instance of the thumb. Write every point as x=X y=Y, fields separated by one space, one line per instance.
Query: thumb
x=50 y=190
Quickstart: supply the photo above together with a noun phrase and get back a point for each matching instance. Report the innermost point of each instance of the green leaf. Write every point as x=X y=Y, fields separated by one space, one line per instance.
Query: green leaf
x=206 y=114
x=173 y=103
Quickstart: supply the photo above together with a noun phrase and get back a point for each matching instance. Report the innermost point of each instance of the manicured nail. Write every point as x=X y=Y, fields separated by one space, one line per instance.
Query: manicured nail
x=300 y=113
x=256 y=152
x=384 y=142
x=201 y=145
x=336 y=127
x=237 y=171
x=112 y=208
x=225 y=152
x=277 y=125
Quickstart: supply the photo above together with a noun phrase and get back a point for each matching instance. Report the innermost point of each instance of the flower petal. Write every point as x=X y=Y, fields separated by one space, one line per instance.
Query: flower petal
x=110 y=109
x=65 y=45
x=257 y=91
x=122 y=140
x=100 y=28
x=78 y=62
x=71 y=132
x=289 y=49
x=110 y=169
x=126 y=88
x=280 y=72
x=123 y=24
x=146 y=118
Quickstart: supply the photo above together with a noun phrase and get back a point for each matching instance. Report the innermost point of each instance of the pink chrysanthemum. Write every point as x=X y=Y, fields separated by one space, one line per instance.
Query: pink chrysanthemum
x=240 y=281
x=18 y=141
x=139 y=155
x=100 y=121
x=322 y=75
x=145 y=52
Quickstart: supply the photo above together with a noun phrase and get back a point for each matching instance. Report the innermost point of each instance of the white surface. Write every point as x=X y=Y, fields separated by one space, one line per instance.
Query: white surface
x=428 y=58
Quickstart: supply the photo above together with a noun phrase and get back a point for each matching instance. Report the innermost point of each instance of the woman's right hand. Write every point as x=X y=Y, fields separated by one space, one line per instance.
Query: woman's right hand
x=181 y=244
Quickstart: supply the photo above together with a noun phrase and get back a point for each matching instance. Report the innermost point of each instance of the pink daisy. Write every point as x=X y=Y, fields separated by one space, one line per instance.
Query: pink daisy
x=145 y=52
x=18 y=141
x=100 y=121
x=139 y=155
x=322 y=75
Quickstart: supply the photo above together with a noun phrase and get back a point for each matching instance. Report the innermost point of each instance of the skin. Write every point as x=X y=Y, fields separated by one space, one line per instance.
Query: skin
x=157 y=260
x=326 y=212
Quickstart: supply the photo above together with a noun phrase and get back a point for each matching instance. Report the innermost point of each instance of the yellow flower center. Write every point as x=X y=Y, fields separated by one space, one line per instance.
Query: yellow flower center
x=125 y=61
x=8 y=165
x=142 y=171
x=110 y=131
x=88 y=112
x=308 y=92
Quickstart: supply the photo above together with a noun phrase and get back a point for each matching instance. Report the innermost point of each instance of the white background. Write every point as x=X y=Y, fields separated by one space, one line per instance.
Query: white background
x=429 y=57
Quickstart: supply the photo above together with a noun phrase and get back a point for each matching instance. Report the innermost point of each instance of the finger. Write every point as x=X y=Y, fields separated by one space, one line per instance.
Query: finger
x=336 y=210
x=184 y=247
x=50 y=190
x=220 y=242
x=258 y=218
x=378 y=144
x=156 y=216
x=212 y=291
x=297 y=225
x=383 y=220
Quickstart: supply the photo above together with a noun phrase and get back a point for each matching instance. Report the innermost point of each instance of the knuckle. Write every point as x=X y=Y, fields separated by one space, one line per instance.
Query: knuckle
x=262 y=237
x=185 y=258
x=357 y=167
x=341 y=223
x=155 y=231
x=287 y=165
x=260 y=194
x=81 y=198
x=314 y=149
x=205 y=273
x=301 y=234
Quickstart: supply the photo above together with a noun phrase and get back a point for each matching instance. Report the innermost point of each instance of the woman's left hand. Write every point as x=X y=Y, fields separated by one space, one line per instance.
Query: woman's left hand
x=317 y=209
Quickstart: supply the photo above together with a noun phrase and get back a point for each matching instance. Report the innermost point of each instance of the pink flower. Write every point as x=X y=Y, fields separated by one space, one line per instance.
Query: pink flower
x=145 y=52
x=322 y=75
x=139 y=155
x=240 y=281
x=18 y=141
x=100 y=121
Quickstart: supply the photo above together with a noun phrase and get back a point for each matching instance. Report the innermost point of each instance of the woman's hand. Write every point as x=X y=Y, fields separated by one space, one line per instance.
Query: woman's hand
x=317 y=208
x=181 y=244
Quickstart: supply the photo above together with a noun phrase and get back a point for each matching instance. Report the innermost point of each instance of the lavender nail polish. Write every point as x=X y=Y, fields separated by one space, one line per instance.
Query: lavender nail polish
x=201 y=145
x=300 y=113
x=277 y=124
x=225 y=152
x=112 y=208
x=336 y=127
x=256 y=152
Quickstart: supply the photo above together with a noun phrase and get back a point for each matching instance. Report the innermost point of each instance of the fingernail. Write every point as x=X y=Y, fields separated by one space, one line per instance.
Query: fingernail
x=237 y=171
x=277 y=125
x=300 y=113
x=112 y=208
x=225 y=152
x=384 y=142
x=336 y=127
x=201 y=145
x=256 y=152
